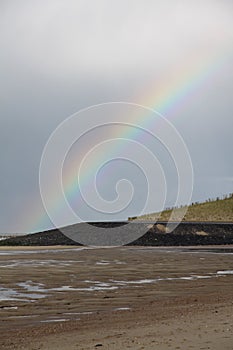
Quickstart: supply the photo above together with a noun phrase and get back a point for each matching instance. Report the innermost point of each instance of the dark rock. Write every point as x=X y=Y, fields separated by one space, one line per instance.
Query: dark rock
x=185 y=234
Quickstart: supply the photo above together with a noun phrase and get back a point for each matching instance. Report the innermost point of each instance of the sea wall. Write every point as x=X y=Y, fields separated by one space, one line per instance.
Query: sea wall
x=187 y=234
x=159 y=234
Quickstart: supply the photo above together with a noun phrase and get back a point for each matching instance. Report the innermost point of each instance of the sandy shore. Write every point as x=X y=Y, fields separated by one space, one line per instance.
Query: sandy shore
x=118 y=298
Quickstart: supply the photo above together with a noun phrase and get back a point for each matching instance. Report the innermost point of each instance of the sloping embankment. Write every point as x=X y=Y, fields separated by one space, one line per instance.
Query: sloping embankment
x=185 y=234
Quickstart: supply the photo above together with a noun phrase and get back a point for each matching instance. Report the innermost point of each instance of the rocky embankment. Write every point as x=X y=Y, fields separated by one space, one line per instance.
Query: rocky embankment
x=185 y=234
x=47 y=238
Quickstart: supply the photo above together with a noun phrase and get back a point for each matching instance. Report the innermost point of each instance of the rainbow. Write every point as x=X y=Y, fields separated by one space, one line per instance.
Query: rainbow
x=168 y=97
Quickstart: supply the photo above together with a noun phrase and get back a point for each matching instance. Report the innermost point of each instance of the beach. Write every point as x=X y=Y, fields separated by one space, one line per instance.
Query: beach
x=116 y=298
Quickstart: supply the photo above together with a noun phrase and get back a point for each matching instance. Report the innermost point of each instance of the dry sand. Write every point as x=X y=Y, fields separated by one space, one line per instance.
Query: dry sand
x=175 y=300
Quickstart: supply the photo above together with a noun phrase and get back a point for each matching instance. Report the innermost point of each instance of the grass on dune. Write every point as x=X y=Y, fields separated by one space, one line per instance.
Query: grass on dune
x=211 y=210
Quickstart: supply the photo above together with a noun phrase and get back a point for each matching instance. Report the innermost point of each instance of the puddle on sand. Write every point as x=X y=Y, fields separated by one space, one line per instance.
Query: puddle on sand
x=35 y=291
x=57 y=320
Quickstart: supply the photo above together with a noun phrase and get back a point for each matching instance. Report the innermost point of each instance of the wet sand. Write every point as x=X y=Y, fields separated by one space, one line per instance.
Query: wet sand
x=118 y=298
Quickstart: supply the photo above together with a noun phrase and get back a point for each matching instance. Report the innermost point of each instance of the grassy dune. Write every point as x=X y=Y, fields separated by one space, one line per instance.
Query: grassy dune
x=214 y=210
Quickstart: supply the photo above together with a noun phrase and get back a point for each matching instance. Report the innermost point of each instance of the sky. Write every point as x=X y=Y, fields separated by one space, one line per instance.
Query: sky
x=59 y=57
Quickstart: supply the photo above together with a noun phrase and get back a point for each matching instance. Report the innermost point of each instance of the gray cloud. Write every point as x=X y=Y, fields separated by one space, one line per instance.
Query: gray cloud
x=64 y=39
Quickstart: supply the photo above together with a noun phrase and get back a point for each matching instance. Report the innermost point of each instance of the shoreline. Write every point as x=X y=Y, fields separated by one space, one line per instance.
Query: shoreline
x=79 y=247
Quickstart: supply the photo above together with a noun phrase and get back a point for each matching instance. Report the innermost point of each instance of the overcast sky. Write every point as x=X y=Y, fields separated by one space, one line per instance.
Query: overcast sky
x=58 y=56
